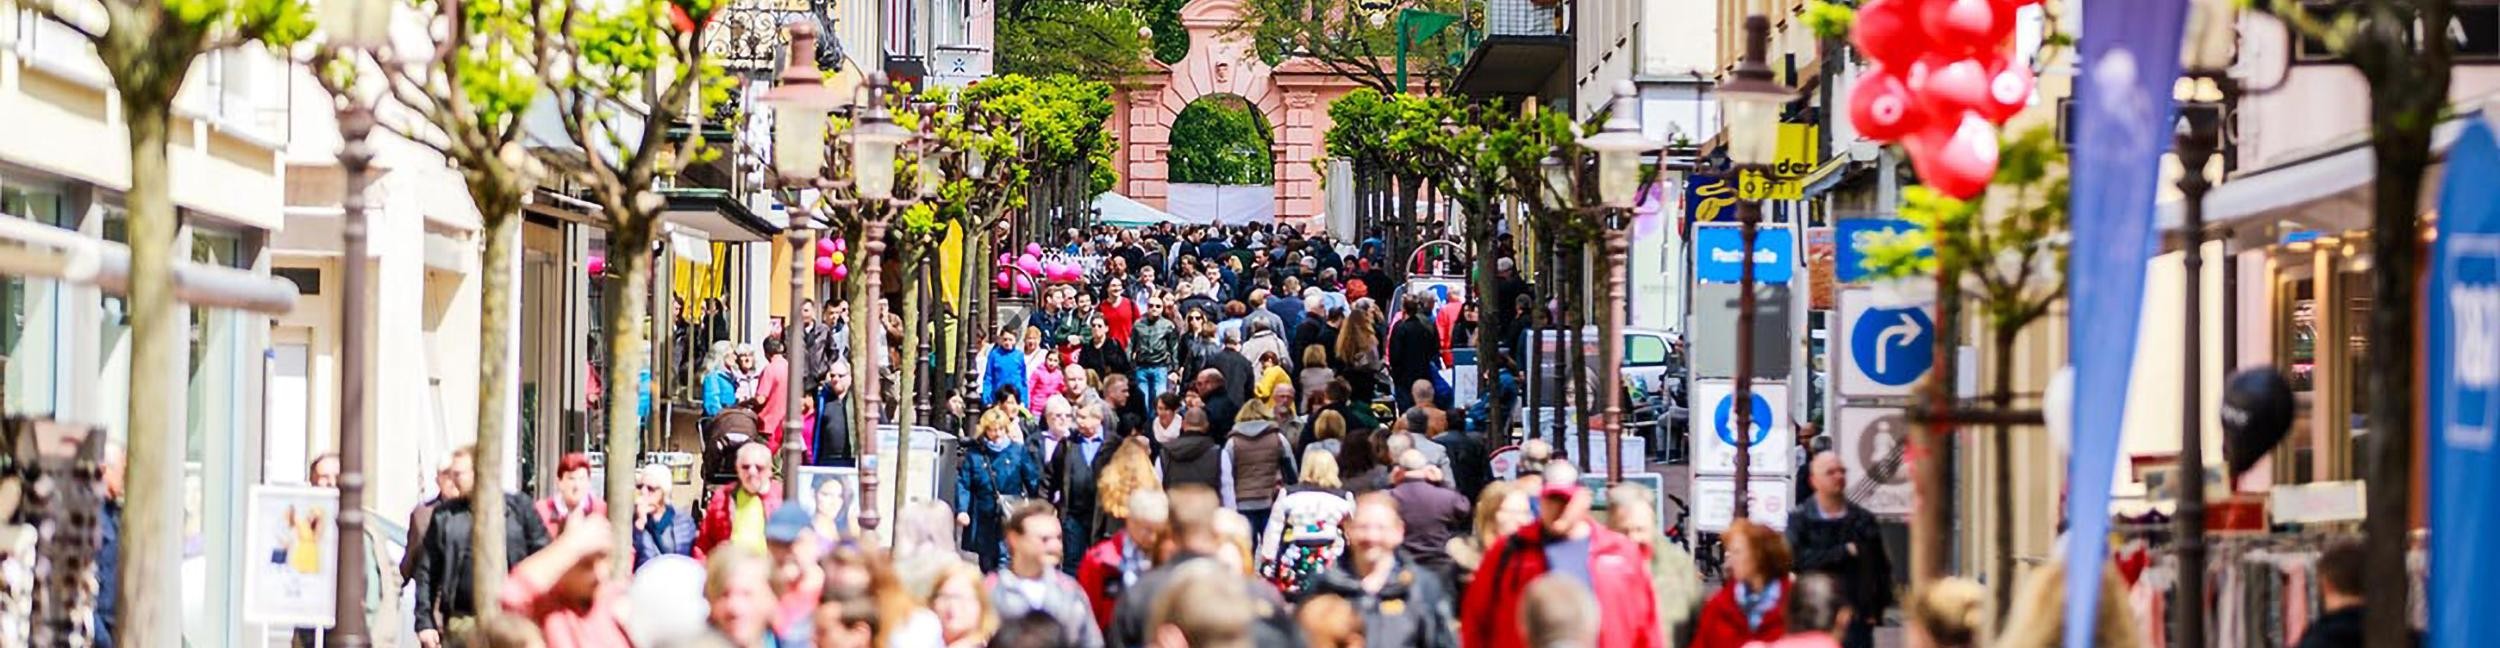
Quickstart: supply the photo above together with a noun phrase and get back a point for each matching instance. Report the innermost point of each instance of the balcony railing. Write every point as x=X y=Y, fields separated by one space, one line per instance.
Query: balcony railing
x=1525 y=18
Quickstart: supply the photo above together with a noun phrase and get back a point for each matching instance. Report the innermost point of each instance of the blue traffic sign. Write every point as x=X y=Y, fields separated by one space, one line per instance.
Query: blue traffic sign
x=1726 y=417
x=1719 y=254
x=1893 y=346
x=1851 y=237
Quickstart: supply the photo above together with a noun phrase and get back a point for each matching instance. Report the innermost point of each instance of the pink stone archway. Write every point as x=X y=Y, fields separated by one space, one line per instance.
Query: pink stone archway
x=1293 y=96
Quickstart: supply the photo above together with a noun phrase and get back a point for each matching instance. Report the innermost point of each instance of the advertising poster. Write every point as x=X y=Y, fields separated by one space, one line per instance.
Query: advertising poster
x=290 y=556
x=831 y=495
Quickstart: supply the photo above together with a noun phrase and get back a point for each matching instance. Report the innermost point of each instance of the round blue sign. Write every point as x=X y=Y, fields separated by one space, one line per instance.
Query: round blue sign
x=1892 y=346
x=1726 y=418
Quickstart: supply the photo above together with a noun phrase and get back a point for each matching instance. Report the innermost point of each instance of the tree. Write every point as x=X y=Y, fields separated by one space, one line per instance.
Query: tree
x=1089 y=39
x=465 y=102
x=1221 y=140
x=2408 y=78
x=626 y=77
x=148 y=47
x=1061 y=118
x=1360 y=45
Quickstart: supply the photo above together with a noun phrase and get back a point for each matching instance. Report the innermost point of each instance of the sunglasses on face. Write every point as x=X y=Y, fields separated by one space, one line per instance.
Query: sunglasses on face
x=648 y=488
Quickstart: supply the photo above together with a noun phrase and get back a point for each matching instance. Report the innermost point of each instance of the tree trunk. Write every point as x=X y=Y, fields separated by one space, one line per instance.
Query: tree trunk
x=2001 y=447
x=1930 y=518
x=865 y=375
x=152 y=522
x=2401 y=123
x=907 y=365
x=1480 y=232
x=486 y=510
x=628 y=299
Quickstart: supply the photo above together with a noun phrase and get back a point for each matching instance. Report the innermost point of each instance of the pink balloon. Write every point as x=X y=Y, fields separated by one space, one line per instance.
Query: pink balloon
x=1030 y=265
x=840 y=244
x=825 y=266
x=1033 y=249
x=1004 y=259
x=1024 y=285
x=1889 y=32
x=1958 y=162
x=1882 y=108
x=1954 y=87
x=1963 y=26
x=1001 y=280
x=2009 y=91
x=824 y=246
x=598 y=265
x=841 y=273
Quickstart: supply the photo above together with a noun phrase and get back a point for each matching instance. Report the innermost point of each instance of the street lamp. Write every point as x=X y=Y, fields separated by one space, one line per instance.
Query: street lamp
x=800 y=103
x=2199 y=137
x=1619 y=146
x=873 y=141
x=354 y=25
x=1751 y=100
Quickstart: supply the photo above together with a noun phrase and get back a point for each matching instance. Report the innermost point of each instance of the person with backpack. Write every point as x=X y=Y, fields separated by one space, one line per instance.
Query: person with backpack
x=1302 y=536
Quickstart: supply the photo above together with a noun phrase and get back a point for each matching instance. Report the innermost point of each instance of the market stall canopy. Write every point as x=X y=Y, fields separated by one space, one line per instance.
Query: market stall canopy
x=1223 y=204
x=1123 y=211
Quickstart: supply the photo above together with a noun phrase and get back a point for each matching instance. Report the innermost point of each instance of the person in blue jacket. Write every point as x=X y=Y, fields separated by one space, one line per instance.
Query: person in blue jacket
x=994 y=466
x=720 y=380
x=1005 y=364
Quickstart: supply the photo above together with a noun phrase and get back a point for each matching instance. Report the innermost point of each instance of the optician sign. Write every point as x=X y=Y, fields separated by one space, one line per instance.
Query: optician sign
x=1719 y=254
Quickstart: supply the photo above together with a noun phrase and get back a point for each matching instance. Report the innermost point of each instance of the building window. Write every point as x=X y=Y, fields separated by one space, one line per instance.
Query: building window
x=30 y=343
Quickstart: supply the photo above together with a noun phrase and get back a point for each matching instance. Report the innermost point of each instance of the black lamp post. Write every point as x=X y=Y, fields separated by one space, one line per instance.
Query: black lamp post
x=359 y=25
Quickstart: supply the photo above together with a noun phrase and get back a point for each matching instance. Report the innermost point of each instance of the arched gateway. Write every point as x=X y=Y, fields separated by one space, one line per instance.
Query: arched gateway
x=1292 y=96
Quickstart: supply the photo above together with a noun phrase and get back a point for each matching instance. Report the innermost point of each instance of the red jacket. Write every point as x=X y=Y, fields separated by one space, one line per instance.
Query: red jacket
x=1098 y=572
x=1627 y=608
x=1722 y=625
x=716 y=515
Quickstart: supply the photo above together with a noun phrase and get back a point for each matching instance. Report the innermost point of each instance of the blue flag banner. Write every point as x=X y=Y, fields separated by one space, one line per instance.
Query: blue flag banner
x=2464 y=394
x=2129 y=61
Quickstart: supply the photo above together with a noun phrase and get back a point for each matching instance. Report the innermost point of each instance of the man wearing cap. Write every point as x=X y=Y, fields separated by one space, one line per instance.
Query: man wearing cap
x=1563 y=541
x=1430 y=511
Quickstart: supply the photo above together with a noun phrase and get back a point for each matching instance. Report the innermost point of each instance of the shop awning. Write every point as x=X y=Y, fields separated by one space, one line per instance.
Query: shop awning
x=2328 y=191
x=1123 y=211
x=718 y=214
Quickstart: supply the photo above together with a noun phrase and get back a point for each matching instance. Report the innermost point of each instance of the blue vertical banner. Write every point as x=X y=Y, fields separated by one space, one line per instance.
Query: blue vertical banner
x=2464 y=394
x=2129 y=60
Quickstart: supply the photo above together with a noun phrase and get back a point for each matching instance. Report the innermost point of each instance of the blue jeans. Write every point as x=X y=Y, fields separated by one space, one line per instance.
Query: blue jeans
x=1155 y=381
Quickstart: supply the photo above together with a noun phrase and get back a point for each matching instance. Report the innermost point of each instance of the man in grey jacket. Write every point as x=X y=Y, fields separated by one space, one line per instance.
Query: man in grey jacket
x=1032 y=581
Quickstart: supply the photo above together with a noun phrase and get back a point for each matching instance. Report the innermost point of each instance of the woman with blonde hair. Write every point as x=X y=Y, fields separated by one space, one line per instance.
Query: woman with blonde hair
x=1950 y=613
x=1303 y=537
x=1234 y=529
x=965 y=618
x=2038 y=618
x=1502 y=507
x=1132 y=469
x=1327 y=433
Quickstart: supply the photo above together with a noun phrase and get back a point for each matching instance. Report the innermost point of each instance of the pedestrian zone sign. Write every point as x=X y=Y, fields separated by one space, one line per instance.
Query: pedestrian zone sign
x=1715 y=437
x=1888 y=348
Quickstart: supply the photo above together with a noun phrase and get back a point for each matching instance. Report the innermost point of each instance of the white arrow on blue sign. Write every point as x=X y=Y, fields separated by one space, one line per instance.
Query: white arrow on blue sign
x=1893 y=346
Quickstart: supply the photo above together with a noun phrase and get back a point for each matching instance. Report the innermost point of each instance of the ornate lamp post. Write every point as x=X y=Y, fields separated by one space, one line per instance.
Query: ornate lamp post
x=359 y=25
x=801 y=104
x=873 y=140
x=1751 y=101
x=1619 y=146
x=2199 y=137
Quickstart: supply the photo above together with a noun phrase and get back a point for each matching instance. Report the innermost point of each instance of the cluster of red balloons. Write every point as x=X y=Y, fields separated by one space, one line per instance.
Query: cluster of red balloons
x=1944 y=79
x=832 y=258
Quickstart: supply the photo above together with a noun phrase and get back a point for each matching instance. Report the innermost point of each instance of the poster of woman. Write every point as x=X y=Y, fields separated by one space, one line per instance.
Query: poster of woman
x=291 y=556
x=831 y=495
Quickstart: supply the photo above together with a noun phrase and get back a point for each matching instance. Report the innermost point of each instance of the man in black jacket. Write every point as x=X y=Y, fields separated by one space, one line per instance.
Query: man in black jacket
x=1194 y=539
x=1832 y=536
x=1068 y=479
x=1402 y=603
x=1414 y=347
x=443 y=572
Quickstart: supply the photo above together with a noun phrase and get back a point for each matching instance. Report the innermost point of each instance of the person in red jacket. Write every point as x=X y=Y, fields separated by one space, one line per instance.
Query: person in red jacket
x=1753 y=606
x=738 y=511
x=1118 y=561
x=1563 y=541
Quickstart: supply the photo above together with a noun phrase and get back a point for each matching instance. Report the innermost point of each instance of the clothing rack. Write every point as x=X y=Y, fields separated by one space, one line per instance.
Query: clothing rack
x=2263 y=588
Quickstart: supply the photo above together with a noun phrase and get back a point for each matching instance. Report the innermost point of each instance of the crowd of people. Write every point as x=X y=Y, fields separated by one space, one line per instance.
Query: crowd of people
x=1228 y=437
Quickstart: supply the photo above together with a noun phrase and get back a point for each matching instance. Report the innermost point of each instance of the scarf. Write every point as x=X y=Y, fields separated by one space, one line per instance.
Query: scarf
x=1756 y=604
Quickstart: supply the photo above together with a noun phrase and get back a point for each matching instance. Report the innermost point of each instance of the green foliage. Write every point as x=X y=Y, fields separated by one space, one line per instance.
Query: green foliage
x=1089 y=39
x=1171 y=41
x=1360 y=46
x=1062 y=117
x=1830 y=20
x=2007 y=247
x=1222 y=140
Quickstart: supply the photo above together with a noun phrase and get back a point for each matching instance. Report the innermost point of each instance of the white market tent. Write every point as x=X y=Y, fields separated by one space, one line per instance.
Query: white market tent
x=1122 y=211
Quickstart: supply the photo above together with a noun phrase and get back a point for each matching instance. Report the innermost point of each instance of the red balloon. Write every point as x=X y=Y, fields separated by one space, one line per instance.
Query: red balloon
x=597 y=265
x=1881 y=107
x=1889 y=32
x=1963 y=26
x=1957 y=160
x=1953 y=87
x=2009 y=91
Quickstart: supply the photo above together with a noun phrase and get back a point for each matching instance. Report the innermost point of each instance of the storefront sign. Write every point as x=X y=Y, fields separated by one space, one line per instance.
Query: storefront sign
x=2464 y=394
x=1710 y=198
x=1719 y=254
x=1855 y=234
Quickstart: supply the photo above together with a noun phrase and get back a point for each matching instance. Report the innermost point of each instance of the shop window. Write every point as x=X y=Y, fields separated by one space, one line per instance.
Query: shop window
x=30 y=342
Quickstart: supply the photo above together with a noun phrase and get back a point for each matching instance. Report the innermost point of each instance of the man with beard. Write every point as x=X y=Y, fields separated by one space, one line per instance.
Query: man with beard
x=1403 y=604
